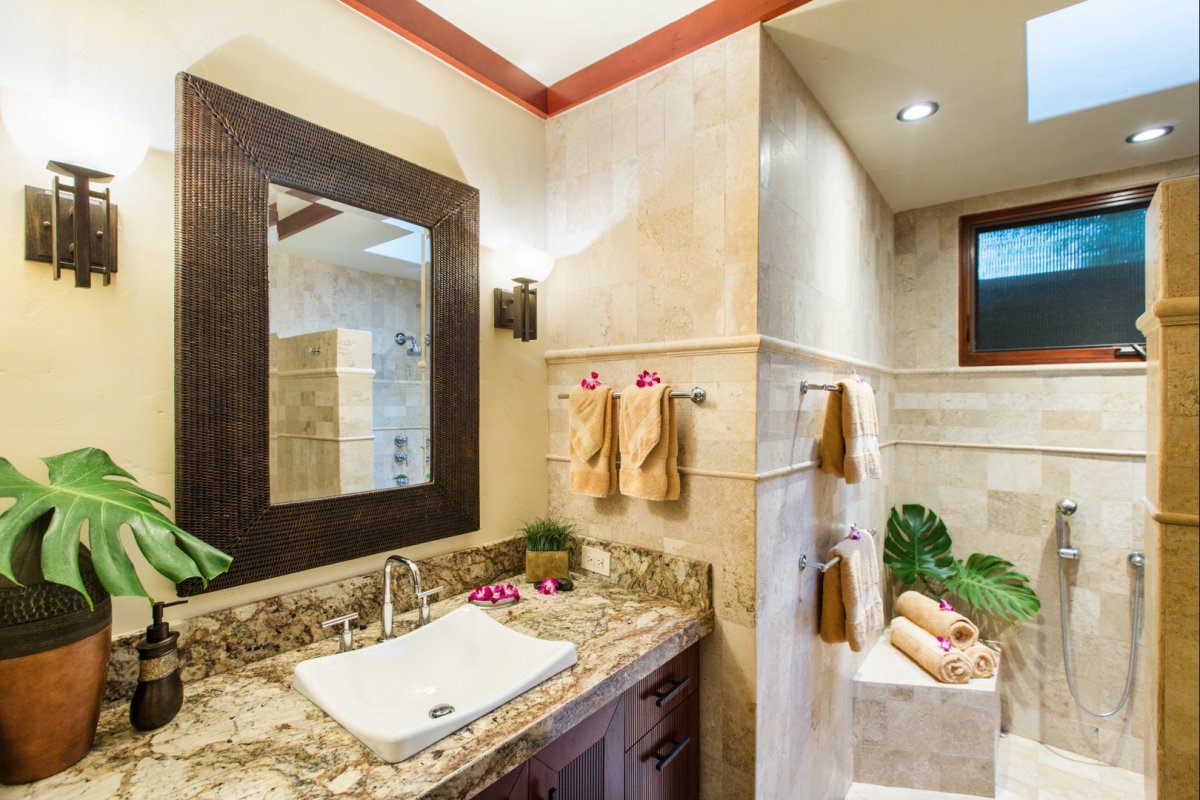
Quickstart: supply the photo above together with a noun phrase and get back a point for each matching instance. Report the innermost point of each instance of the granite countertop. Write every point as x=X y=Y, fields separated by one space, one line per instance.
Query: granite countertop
x=247 y=734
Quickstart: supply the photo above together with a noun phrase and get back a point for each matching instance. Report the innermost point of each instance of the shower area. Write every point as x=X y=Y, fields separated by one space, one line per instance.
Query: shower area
x=1084 y=476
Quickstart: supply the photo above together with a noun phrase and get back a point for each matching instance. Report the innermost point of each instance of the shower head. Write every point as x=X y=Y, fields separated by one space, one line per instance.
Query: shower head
x=1066 y=506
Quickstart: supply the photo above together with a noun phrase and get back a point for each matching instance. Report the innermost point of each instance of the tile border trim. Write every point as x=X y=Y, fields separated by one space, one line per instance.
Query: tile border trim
x=1170 y=517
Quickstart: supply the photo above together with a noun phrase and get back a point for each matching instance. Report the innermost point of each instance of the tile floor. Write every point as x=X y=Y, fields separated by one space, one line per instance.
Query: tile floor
x=1028 y=770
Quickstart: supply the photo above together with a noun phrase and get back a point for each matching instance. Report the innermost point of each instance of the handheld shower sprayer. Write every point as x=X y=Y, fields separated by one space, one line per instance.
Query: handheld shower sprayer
x=1065 y=508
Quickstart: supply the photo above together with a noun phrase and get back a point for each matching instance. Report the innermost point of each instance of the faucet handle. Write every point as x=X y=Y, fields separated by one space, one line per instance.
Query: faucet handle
x=429 y=592
x=346 y=634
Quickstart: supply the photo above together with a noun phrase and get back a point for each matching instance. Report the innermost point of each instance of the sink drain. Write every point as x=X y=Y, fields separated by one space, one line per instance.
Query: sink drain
x=441 y=710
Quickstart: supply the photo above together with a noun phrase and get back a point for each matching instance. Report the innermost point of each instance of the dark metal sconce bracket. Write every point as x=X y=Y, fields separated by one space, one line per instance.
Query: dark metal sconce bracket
x=51 y=229
x=517 y=310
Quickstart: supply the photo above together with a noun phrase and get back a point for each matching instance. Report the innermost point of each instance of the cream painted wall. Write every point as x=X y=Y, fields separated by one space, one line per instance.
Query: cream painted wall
x=95 y=367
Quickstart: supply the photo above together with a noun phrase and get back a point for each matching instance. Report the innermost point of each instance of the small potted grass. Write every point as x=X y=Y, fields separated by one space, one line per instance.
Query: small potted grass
x=547 y=543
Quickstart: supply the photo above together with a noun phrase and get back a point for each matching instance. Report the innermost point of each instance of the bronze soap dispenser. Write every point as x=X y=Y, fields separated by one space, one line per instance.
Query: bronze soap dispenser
x=159 y=692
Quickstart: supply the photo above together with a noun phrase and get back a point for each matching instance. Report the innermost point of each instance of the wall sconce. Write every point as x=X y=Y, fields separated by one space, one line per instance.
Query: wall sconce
x=517 y=310
x=71 y=225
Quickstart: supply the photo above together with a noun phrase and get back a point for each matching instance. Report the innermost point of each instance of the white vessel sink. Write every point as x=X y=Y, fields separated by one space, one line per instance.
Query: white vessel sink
x=401 y=696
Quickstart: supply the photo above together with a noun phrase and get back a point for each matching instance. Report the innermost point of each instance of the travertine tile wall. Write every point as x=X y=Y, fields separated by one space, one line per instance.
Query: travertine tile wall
x=825 y=244
x=1172 y=486
x=307 y=294
x=1002 y=501
x=653 y=217
x=320 y=414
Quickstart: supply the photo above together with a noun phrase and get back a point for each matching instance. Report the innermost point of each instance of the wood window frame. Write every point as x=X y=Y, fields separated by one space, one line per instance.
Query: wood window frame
x=968 y=227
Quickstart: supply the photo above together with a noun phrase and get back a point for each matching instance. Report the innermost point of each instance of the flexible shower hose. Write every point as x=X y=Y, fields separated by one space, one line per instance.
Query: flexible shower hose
x=1135 y=630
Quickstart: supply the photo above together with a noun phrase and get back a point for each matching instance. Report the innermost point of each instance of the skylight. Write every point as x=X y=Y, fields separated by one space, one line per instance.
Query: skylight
x=1101 y=51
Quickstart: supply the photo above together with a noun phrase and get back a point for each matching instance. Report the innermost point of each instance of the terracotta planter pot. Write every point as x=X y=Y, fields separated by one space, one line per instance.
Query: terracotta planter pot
x=53 y=664
x=547 y=564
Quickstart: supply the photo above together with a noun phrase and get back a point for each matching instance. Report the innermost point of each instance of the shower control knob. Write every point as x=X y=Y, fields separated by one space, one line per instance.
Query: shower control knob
x=1068 y=552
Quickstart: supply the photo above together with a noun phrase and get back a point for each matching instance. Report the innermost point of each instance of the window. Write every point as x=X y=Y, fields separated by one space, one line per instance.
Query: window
x=1053 y=283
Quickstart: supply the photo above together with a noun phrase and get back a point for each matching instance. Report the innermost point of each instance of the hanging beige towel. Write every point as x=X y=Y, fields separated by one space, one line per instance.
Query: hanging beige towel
x=851 y=605
x=590 y=430
x=927 y=613
x=850 y=437
x=921 y=646
x=983 y=660
x=649 y=443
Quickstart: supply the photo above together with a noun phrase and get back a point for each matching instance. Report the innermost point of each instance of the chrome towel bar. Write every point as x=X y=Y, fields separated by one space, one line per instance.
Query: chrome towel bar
x=696 y=395
x=825 y=566
x=824 y=387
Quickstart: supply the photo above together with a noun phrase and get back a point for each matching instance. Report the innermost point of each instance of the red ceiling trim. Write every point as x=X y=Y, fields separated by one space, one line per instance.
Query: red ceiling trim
x=705 y=25
x=434 y=34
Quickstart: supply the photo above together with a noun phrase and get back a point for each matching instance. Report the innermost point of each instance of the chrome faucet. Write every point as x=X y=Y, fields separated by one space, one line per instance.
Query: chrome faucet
x=389 y=607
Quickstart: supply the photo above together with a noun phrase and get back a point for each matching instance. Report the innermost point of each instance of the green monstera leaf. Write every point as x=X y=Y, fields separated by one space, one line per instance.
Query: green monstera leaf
x=917 y=546
x=82 y=489
x=991 y=584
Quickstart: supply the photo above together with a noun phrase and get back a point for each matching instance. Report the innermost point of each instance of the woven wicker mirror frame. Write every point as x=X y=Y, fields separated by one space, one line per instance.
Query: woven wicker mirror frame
x=228 y=149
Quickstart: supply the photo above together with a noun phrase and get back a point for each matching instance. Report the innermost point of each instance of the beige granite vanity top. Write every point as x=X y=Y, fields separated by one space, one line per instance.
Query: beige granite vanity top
x=247 y=734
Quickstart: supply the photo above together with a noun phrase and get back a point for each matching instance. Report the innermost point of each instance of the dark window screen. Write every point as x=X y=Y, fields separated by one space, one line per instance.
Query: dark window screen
x=1075 y=281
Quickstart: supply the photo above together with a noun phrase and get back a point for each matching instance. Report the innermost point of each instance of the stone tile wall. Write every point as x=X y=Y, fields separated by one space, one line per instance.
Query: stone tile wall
x=825 y=245
x=1172 y=485
x=652 y=194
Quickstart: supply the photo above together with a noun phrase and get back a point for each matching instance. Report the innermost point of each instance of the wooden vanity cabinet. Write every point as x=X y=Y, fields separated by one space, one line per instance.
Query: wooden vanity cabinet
x=645 y=745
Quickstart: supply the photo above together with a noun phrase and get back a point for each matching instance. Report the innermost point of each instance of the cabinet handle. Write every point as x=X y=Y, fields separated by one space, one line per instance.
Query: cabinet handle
x=553 y=794
x=663 y=761
x=664 y=697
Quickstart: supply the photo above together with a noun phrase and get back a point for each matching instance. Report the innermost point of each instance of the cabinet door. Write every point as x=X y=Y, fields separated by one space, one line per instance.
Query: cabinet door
x=513 y=786
x=585 y=763
x=665 y=764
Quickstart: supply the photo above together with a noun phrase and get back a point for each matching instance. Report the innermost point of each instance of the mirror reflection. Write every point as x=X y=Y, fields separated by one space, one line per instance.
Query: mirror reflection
x=350 y=348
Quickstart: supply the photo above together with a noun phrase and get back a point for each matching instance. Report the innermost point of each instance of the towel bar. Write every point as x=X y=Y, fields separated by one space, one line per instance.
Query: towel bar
x=824 y=387
x=825 y=566
x=695 y=394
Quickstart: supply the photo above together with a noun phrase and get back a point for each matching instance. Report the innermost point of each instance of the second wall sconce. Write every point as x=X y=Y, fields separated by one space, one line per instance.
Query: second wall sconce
x=517 y=310
x=72 y=225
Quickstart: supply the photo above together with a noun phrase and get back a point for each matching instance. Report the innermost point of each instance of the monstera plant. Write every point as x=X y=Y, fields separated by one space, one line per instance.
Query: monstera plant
x=918 y=549
x=55 y=613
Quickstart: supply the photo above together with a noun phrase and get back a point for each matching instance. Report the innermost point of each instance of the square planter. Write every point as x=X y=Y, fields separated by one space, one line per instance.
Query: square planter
x=547 y=564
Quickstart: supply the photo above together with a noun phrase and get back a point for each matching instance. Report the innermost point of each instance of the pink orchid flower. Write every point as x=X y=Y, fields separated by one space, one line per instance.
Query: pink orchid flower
x=548 y=586
x=944 y=606
x=945 y=644
x=647 y=379
x=593 y=383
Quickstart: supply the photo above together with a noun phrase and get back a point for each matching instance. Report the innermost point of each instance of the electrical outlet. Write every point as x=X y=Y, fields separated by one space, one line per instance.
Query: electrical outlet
x=595 y=560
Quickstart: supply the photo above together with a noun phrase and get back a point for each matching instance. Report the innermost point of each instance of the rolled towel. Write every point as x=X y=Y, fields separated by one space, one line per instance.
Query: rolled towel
x=938 y=620
x=947 y=664
x=983 y=660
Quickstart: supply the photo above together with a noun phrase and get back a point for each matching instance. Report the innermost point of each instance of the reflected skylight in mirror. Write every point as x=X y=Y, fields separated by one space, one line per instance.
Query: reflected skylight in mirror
x=1101 y=51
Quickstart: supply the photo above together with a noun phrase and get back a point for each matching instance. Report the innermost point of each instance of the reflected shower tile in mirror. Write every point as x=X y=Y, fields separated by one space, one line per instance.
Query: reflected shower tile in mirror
x=349 y=322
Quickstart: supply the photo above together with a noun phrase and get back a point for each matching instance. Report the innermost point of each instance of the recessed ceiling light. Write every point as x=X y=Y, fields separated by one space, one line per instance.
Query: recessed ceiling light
x=1149 y=135
x=916 y=111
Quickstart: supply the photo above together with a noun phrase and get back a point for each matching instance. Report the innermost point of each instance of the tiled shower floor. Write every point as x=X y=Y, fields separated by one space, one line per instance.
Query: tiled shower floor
x=1032 y=771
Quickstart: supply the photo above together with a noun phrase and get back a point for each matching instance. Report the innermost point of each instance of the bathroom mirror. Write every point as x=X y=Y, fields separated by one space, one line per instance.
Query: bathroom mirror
x=350 y=355
x=241 y=169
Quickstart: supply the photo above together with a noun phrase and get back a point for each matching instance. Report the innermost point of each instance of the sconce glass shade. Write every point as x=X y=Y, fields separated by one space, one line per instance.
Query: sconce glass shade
x=46 y=129
x=524 y=261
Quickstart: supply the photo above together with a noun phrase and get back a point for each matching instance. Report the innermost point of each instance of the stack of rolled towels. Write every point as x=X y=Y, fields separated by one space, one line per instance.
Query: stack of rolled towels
x=945 y=643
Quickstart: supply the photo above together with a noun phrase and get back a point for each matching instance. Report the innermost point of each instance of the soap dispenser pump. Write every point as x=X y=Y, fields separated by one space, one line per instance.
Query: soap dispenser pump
x=159 y=693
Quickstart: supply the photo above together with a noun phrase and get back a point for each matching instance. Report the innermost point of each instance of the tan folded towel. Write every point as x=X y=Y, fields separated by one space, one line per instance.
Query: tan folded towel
x=922 y=647
x=850 y=438
x=983 y=660
x=590 y=430
x=851 y=605
x=927 y=613
x=649 y=444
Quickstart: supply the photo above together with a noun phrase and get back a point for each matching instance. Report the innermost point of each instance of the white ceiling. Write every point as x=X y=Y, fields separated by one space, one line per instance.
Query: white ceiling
x=865 y=59
x=551 y=39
